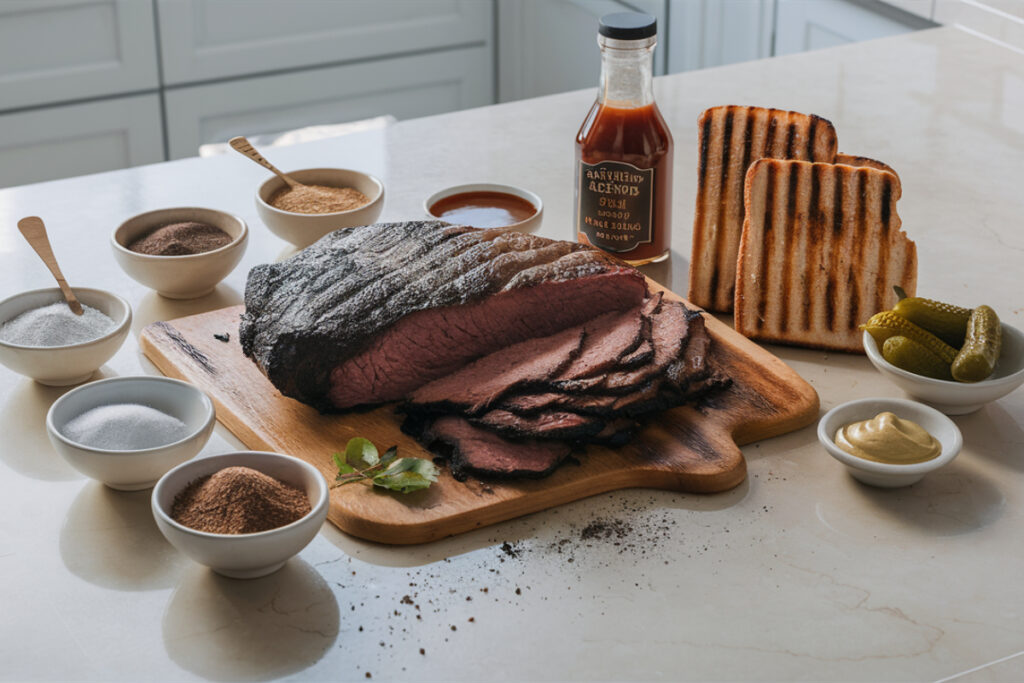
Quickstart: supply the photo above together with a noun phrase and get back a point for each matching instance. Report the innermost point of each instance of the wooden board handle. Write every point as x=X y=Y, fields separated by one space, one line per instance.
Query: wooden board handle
x=34 y=231
x=241 y=145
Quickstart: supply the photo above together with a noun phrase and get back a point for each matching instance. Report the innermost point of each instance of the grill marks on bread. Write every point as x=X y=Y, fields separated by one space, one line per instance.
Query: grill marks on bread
x=820 y=252
x=731 y=138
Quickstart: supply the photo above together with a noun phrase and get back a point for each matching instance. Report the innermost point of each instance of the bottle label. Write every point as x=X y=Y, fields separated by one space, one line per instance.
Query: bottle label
x=615 y=205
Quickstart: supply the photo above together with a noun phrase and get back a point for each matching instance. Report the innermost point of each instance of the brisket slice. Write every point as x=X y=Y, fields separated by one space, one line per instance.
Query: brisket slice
x=474 y=450
x=552 y=424
x=475 y=386
x=369 y=314
x=593 y=347
x=670 y=333
x=637 y=402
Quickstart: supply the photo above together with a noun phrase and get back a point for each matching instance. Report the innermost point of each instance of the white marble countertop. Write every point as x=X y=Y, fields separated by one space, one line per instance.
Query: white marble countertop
x=799 y=572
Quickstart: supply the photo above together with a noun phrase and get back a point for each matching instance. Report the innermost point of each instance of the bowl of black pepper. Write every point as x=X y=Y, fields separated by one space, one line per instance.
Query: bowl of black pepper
x=182 y=253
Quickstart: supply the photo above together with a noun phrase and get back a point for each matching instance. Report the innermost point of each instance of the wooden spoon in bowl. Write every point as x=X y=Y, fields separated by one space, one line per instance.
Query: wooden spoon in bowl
x=241 y=144
x=35 y=234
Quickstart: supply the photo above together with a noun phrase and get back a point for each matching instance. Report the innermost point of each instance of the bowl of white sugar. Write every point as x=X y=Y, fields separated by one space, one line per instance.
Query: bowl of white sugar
x=41 y=338
x=127 y=432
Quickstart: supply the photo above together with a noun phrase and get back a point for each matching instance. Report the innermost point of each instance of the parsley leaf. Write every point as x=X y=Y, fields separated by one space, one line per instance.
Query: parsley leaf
x=361 y=462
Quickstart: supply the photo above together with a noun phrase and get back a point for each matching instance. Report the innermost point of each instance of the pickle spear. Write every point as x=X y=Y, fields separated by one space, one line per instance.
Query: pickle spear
x=909 y=355
x=945 y=321
x=887 y=324
x=984 y=341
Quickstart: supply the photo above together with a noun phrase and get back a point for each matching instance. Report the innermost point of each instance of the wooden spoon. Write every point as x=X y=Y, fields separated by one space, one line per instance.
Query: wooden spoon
x=35 y=234
x=241 y=144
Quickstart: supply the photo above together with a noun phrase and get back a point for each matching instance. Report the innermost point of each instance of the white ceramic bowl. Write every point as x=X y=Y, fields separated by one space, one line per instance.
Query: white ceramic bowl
x=528 y=225
x=180 y=277
x=132 y=470
x=958 y=398
x=64 y=365
x=302 y=229
x=243 y=556
x=880 y=473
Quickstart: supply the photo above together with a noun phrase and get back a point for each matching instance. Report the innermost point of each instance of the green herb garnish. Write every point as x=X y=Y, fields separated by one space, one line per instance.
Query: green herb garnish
x=361 y=461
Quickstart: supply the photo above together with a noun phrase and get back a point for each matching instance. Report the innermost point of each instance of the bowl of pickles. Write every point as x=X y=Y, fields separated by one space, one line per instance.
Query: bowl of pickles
x=952 y=358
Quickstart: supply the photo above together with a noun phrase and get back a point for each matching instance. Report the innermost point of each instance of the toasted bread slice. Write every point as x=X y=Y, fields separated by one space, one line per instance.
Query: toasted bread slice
x=854 y=160
x=731 y=138
x=820 y=252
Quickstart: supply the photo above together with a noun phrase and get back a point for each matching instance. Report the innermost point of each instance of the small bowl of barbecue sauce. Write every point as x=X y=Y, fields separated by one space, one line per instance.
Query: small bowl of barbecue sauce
x=487 y=205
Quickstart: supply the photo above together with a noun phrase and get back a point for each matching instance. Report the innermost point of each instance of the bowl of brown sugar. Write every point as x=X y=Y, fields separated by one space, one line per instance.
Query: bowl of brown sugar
x=328 y=199
x=183 y=252
x=242 y=514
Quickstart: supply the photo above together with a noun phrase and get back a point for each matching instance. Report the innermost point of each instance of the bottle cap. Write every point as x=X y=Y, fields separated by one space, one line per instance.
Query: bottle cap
x=628 y=26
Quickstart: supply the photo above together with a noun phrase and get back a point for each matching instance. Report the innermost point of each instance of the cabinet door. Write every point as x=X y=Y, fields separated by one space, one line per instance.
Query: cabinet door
x=803 y=25
x=551 y=46
x=405 y=87
x=205 y=39
x=706 y=33
x=71 y=140
x=53 y=50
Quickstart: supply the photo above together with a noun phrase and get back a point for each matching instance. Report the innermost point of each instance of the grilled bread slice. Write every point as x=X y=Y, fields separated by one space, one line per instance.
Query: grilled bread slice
x=854 y=160
x=731 y=138
x=820 y=252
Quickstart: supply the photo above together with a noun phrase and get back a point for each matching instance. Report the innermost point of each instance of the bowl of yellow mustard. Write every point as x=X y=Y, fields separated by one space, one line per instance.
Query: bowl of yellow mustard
x=889 y=442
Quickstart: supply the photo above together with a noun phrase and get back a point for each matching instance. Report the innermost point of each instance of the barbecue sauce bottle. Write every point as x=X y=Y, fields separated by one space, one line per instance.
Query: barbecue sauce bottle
x=624 y=149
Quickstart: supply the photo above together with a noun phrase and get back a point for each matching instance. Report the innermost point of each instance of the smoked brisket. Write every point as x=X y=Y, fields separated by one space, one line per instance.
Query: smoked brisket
x=370 y=314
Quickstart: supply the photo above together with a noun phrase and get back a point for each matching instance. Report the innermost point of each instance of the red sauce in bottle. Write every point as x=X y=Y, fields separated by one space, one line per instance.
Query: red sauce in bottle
x=624 y=149
x=639 y=137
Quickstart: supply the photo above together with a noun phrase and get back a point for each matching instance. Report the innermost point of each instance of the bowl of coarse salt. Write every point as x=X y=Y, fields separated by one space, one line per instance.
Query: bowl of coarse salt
x=41 y=338
x=128 y=431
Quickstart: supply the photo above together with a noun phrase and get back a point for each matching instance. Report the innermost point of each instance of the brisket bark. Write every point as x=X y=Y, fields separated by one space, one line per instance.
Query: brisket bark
x=370 y=314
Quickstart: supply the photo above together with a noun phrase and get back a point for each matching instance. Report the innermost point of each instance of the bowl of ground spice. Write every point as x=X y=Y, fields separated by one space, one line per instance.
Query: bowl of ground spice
x=328 y=199
x=182 y=253
x=242 y=514
x=128 y=431
x=41 y=338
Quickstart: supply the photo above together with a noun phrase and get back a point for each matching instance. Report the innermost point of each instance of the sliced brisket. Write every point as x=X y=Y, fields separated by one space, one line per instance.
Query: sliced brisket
x=553 y=424
x=670 y=333
x=475 y=450
x=594 y=347
x=475 y=386
x=370 y=314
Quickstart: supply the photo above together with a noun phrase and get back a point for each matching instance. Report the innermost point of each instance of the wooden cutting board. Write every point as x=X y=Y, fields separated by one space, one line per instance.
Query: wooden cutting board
x=684 y=449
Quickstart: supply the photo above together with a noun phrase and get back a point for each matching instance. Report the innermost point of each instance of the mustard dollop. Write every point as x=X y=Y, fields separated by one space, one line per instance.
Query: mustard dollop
x=888 y=438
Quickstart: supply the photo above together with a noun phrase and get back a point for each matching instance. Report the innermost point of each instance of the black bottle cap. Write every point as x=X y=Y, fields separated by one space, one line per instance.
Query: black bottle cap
x=628 y=26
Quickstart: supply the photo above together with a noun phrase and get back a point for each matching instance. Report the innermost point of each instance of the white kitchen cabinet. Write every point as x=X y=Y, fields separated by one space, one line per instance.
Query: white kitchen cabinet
x=58 y=50
x=70 y=140
x=803 y=25
x=549 y=46
x=405 y=87
x=921 y=8
x=208 y=39
x=707 y=33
